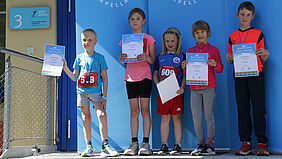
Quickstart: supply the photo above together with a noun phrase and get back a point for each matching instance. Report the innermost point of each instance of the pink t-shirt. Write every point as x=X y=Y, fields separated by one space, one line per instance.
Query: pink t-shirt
x=137 y=71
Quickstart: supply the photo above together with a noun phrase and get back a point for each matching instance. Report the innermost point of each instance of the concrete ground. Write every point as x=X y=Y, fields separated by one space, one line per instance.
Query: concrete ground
x=229 y=155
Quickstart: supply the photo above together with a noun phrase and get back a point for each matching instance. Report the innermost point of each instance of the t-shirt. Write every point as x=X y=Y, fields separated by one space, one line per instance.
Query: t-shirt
x=91 y=66
x=137 y=71
x=250 y=35
x=169 y=63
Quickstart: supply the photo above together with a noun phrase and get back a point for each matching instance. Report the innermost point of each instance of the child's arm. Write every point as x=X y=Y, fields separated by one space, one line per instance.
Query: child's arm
x=216 y=63
x=183 y=84
x=229 y=58
x=103 y=100
x=263 y=53
x=73 y=75
x=155 y=77
x=151 y=58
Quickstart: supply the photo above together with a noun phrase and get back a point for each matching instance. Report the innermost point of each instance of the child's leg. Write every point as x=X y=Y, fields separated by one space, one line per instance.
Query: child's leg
x=134 y=117
x=103 y=124
x=178 y=129
x=257 y=92
x=208 y=98
x=197 y=108
x=165 y=128
x=145 y=111
x=86 y=118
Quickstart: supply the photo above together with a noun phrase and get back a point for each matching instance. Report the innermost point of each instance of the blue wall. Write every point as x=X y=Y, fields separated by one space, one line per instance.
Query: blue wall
x=109 y=19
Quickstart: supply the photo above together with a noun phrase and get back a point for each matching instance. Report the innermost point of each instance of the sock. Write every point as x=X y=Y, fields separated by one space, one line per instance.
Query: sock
x=210 y=141
x=134 y=139
x=145 y=140
x=105 y=143
x=89 y=143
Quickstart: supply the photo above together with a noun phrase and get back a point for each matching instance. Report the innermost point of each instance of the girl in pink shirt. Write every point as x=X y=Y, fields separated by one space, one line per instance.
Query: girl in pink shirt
x=138 y=79
x=203 y=97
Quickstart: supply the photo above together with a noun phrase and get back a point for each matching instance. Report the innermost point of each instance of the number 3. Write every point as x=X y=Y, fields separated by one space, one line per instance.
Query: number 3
x=18 y=20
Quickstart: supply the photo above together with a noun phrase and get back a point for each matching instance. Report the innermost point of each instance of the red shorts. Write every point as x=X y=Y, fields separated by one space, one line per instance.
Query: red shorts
x=173 y=106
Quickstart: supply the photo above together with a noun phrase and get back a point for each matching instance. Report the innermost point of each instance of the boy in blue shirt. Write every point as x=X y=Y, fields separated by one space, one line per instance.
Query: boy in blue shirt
x=252 y=87
x=90 y=72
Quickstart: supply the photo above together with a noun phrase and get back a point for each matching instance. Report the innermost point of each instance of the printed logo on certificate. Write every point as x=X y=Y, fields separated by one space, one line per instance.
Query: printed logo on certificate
x=132 y=45
x=245 y=60
x=197 y=69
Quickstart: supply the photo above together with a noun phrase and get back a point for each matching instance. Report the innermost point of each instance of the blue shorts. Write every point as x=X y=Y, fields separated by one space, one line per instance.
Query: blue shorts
x=85 y=99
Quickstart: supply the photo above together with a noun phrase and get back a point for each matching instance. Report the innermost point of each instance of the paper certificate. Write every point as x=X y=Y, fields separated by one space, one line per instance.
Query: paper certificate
x=245 y=60
x=168 y=87
x=132 y=45
x=197 y=69
x=53 y=63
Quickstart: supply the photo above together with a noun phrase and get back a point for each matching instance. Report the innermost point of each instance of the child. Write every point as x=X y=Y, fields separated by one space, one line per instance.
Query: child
x=168 y=62
x=138 y=79
x=247 y=88
x=90 y=72
x=204 y=96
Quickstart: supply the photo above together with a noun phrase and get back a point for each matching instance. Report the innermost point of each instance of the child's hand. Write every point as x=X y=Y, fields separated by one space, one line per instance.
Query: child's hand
x=65 y=63
x=229 y=58
x=122 y=57
x=180 y=91
x=262 y=51
x=183 y=64
x=142 y=57
x=212 y=63
x=102 y=103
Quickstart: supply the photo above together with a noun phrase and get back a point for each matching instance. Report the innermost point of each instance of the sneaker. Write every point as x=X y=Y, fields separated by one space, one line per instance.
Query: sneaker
x=108 y=152
x=145 y=149
x=88 y=151
x=132 y=150
x=163 y=150
x=197 y=150
x=207 y=150
x=263 y=150
x=177 y=150
x=246 y=149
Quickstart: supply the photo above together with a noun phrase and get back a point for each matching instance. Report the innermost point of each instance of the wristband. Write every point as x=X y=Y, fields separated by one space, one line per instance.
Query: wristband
x=104 y=97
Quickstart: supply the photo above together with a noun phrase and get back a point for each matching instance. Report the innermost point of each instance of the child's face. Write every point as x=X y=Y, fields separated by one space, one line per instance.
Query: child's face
x=88 y=40
x=201 y=36
x=136 y=21
x=245 y=17
x=170 y=42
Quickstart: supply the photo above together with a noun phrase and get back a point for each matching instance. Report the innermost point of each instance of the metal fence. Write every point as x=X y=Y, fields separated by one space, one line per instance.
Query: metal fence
x=27 y=108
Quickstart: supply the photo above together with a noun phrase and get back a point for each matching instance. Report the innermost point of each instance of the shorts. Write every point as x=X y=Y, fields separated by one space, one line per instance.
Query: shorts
x=85 y=99
x=141 y=88
x=173 y=106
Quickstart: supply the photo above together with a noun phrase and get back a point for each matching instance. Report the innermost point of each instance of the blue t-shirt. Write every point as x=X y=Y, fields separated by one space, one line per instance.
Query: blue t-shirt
x=90 y=69
x=169 y=63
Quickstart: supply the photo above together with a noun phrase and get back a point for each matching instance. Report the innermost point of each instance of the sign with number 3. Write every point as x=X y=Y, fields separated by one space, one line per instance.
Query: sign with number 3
x=29 y=18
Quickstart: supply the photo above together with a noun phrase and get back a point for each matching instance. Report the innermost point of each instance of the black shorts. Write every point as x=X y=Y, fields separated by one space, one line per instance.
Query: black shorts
x=141 y=88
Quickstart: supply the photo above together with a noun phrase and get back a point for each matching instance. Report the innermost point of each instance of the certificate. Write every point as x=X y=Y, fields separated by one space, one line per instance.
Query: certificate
x=245 y=60
x=53 y=63
x=167 y=88
x=197 y=69
x=132 y=45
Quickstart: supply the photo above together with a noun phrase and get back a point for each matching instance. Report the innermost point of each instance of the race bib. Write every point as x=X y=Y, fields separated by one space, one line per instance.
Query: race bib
x=90 y=81
x=167 y=71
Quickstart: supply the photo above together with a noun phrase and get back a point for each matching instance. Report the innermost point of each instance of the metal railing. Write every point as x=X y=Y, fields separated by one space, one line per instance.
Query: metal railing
x=28 y=105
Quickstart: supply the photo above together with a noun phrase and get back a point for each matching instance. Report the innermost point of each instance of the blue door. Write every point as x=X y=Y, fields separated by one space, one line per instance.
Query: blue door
x=67 y=111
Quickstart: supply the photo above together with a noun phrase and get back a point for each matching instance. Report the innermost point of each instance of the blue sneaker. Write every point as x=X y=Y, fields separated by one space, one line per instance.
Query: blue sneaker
x=88 y=151
x=197 y=150
x=207 y=150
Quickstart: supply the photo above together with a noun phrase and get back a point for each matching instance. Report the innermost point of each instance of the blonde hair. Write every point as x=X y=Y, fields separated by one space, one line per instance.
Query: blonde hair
x=176 y=32
x=201 y=25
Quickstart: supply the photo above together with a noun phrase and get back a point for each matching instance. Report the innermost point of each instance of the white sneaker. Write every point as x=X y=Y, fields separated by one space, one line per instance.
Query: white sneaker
x=88 y=152
x=108 y=152
x=145 y=149
x=132 y=150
